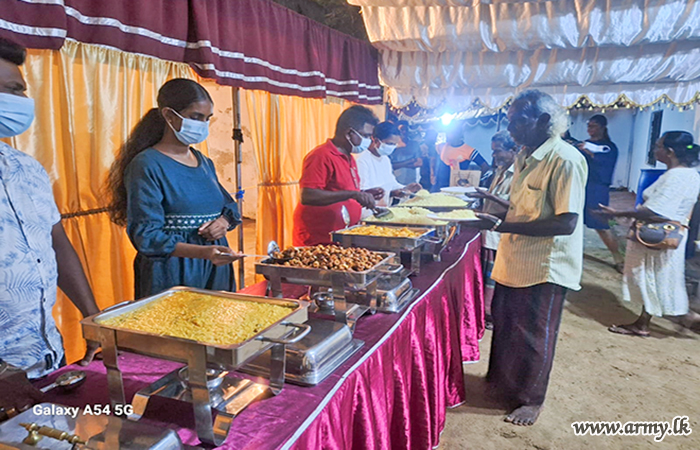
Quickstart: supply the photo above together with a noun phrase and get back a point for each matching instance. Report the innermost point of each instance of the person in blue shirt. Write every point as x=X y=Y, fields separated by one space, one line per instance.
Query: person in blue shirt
x=168 y=195
x=36 y=256
x=601 y=157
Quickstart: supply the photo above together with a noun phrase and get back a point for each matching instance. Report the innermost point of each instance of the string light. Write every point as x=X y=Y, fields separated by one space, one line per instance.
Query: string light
x=479 y=109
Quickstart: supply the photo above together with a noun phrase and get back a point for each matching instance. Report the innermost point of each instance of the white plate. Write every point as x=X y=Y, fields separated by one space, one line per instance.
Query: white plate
x=459 y=190
x=436 y=217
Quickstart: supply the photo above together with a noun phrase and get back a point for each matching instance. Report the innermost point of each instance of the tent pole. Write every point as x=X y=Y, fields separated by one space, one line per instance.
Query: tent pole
x=237 y=141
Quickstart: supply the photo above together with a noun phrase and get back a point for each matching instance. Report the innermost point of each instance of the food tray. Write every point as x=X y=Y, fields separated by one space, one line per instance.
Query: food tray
x=198 y=356
x=404 y=245
x=387 y=243
x=441 y=231
x=393 y=296
x=444 y=232
x=177 y=349
x=321 y=277
x=314 y=358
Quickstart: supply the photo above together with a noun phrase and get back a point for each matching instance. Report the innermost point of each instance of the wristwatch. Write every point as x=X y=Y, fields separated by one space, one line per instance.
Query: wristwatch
x=496 y=225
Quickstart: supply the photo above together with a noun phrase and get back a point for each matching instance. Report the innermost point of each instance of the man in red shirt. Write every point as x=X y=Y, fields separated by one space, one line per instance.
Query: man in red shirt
x=329 y=180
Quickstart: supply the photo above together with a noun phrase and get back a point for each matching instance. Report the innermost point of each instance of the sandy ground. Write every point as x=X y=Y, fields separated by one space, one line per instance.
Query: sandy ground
x=597 y=376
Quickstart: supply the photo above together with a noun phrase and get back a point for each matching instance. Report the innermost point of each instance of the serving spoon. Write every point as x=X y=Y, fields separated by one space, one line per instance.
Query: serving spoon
x=67 y=381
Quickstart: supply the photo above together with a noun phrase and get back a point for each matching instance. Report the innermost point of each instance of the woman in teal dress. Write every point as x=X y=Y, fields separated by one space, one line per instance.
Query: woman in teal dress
x=168 y=195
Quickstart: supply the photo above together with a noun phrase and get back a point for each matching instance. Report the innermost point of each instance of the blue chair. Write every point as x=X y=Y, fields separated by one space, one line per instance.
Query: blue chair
x=646 y=179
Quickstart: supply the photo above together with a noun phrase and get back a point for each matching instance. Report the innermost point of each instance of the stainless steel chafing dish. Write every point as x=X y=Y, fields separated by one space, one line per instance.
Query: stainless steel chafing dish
x=339 y=281
x=314 y=358
x=444 y=234
x=41 y=428
x=393 y=295
x=411 y=245
x=199 y=356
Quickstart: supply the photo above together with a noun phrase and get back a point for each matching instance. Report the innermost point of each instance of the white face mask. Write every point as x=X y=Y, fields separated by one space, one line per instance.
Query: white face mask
x=386 y=149
x=16 y=114
x=191 y=131
x=364 y=145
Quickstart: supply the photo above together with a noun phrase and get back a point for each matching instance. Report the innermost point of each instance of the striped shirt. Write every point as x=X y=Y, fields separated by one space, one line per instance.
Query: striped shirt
x=549 y=182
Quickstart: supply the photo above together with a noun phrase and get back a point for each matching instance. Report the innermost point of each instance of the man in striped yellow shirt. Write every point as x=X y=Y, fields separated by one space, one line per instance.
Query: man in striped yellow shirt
x=540 y=255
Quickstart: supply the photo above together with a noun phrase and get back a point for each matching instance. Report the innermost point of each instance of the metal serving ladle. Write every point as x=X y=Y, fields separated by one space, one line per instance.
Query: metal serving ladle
x=67 y=381
x=272 y=248
x=345 y=214
x=378 y=214
x=382 y=212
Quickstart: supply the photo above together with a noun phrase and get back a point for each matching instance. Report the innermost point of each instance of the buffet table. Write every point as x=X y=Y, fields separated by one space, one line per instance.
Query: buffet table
x=393 y=393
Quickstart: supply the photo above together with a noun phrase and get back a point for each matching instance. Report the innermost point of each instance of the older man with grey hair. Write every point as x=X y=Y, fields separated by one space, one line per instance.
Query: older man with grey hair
x=540 y=255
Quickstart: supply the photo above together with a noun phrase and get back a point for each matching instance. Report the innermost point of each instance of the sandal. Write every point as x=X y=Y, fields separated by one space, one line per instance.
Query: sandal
x=628 y=331
x=619 y=267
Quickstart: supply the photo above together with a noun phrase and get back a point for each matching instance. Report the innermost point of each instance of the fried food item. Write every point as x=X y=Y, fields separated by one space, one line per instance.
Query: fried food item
x=458 y=214
x=201 y=317
x=329 y=257
x=409 y=216
x=438 y=199
x=374 y=230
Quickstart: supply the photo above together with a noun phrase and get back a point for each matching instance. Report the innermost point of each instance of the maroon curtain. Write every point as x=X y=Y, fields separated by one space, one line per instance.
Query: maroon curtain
x=252 y=44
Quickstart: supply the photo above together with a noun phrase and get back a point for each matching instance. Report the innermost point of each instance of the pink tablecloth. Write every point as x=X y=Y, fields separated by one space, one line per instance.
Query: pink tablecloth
x=392 y=394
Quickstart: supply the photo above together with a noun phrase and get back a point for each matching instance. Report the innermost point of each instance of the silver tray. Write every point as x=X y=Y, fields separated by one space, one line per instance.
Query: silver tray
x=444 y=232
x=393 y=296
x=178 y=349
x=198 y=356
x=314 y=358
x=321 y=277
x=387 y=243
x=441 y=231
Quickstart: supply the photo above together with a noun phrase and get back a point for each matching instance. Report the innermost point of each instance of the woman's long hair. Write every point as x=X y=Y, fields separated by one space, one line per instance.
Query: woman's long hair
x=681 y=142
x=176 y=94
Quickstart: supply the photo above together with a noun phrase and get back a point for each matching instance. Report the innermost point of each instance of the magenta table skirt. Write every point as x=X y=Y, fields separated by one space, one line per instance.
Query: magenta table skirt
x=393 y=393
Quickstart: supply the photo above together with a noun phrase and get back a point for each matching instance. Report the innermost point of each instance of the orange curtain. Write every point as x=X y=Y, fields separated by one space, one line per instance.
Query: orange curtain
x=88 y=98
x=284 y=129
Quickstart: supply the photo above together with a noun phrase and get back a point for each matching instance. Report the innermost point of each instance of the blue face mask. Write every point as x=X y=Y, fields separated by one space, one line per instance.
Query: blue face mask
x=364 y=144
x=191 y=131
x=385 y=149
x=16 y=114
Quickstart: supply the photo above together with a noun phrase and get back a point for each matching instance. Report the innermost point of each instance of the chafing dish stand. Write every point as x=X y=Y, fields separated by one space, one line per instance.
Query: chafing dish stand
x=409 y=248
x=341 y=283
x=208 y=391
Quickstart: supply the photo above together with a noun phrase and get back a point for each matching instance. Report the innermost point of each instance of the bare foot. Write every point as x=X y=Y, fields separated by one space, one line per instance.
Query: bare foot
x=524 y=415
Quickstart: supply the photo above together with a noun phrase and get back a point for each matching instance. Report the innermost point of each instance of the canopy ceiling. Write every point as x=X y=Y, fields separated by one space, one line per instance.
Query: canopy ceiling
x=253 y=44
x=455 y=52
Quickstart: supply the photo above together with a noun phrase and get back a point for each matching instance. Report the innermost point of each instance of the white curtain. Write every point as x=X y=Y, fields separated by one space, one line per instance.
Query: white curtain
x=458 y=51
